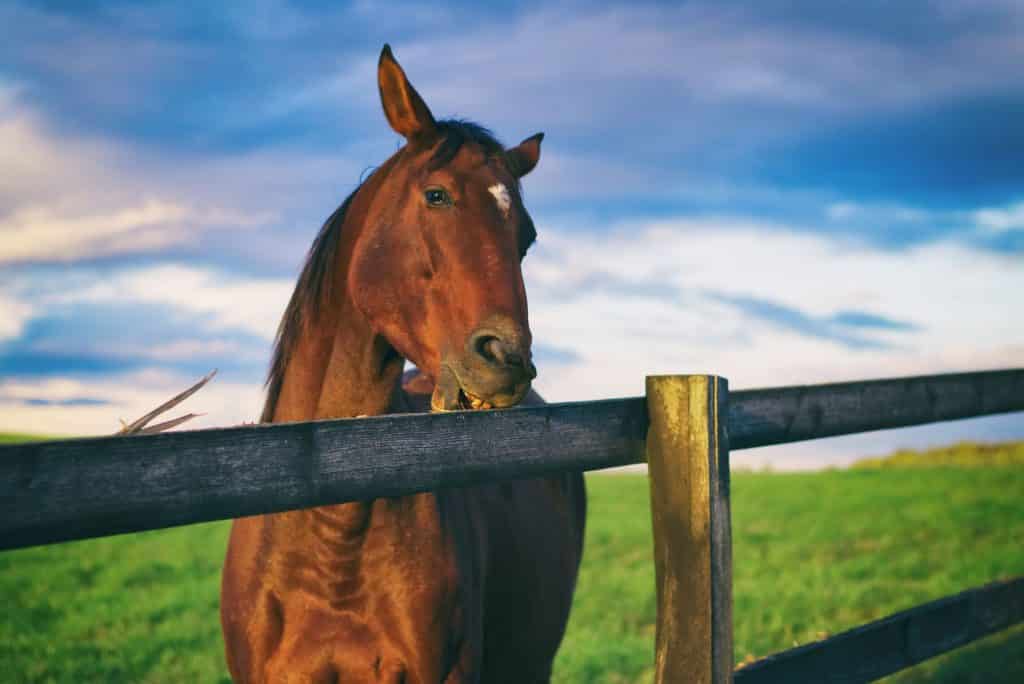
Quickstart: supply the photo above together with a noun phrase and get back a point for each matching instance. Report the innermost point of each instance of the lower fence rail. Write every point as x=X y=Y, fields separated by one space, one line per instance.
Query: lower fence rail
x=880 y=648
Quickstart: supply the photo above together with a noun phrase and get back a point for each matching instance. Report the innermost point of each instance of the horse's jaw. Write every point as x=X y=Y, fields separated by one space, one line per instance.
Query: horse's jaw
x=452 y=395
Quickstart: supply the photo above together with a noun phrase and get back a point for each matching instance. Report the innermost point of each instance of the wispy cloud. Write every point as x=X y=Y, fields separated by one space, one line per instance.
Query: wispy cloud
x=1000 y=220
x=14 y=312
x=39 y=233
x=75 y=406
x=68 y=198
x=902 y=224
x=72 y=198
x=73 y=401
x=835 y=328
x=76 y=321
x=227 y=302
x=676 y=298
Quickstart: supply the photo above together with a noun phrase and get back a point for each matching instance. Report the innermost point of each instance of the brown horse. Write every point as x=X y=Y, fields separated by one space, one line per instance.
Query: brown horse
x=421 y=262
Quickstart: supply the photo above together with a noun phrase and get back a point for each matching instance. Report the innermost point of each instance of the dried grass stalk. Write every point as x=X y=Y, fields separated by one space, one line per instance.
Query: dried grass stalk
x=139 y=427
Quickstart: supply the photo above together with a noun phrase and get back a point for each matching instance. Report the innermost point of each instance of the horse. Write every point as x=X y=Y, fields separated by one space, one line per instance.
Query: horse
x=422 y=262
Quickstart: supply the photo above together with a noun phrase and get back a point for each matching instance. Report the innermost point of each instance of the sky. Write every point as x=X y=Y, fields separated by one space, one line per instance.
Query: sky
x=775 y=192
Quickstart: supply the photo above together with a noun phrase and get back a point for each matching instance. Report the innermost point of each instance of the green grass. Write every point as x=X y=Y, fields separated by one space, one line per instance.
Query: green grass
x=17 y=438
x=814 y=553
x=134 y=608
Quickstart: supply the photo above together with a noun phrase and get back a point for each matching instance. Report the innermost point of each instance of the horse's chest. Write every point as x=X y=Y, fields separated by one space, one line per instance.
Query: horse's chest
x=371 y=598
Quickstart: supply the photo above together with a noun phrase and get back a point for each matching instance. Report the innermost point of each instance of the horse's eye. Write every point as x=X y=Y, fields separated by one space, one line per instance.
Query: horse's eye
x=437 y=197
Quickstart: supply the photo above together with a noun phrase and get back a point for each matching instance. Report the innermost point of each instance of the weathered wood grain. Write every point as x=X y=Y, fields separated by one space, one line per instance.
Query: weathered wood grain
x=791 y=414
x=688 y=462
x=899 y=641
x=57 y=491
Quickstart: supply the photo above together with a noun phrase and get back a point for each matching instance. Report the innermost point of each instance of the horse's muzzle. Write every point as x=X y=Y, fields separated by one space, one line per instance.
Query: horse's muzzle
x=494 y=370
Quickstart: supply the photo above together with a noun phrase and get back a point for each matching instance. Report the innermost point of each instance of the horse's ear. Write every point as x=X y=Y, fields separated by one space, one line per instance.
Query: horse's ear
x=405 y=109
x=524 y=156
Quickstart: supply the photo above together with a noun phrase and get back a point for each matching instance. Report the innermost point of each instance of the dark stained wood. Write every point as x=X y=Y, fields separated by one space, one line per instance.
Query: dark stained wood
x=791 y=414
x=58 y=491
x=688 y=463
x=721 y=538
x=899 y=641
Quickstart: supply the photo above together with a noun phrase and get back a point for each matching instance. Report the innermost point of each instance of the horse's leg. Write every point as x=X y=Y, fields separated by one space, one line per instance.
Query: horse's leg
x=535 y=529
x=551 y=511
x=539 y=525
x=250 y=615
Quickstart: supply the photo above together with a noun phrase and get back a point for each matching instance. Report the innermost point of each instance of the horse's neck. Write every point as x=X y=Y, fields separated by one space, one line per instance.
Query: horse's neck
x=337 y=370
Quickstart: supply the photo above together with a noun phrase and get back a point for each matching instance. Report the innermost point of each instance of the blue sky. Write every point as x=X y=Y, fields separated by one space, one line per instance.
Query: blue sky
x=777 y=192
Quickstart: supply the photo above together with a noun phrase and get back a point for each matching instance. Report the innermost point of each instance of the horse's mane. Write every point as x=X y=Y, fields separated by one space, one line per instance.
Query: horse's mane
x=313 y=287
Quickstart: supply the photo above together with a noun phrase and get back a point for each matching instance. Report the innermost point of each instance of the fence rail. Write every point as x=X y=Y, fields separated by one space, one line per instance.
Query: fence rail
x=81 y=488
x=791 y=414
x=75 y=489
x=897 y=642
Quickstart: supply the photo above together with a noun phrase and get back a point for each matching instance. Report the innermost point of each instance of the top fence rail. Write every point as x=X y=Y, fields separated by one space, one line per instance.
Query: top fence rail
x=74 y=489
x=780 y=415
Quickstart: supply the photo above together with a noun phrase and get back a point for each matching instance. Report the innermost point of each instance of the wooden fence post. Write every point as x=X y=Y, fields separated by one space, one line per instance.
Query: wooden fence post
x=688 y=460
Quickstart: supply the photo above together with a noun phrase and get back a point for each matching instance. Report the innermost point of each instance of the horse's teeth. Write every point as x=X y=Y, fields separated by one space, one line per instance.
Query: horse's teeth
x=476 y=402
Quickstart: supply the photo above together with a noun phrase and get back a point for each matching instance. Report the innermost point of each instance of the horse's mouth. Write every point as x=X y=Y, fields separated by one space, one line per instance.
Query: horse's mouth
x=469 y=401
x=451 y=395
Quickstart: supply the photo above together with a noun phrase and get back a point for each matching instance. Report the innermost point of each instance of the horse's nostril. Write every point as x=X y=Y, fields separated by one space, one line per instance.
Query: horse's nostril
x=496 y=352
x=490 y=347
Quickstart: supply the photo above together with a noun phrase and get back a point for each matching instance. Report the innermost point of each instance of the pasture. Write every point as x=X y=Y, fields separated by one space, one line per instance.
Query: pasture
x=814 y=553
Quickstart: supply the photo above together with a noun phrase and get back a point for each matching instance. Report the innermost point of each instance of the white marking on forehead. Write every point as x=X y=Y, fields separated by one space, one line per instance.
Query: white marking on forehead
x=501 y=197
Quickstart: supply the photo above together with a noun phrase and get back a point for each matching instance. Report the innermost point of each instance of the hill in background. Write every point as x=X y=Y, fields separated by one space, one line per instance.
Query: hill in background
x=961 y=455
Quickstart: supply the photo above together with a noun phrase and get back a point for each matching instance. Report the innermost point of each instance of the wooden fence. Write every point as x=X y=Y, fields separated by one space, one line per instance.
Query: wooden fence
x=684 y=428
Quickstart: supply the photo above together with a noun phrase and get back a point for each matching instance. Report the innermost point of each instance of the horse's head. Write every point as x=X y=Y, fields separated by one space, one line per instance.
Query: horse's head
x=436 y=266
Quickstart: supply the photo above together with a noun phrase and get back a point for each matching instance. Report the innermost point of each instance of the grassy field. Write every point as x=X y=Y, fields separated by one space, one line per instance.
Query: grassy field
x=814 y=553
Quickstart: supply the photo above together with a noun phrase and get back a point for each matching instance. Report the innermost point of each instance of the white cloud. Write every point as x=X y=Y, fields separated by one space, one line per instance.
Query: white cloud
x=637 y=302
x=180 y=350
x=249 y=304
x=14 y=313
x=40 y=232
x=68 y=197
x=40 y=167
x=885 y=213
x=982 y=222
x=123 y=396
x=998 y=220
